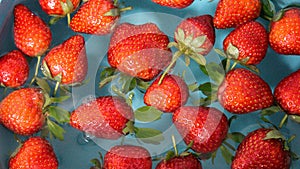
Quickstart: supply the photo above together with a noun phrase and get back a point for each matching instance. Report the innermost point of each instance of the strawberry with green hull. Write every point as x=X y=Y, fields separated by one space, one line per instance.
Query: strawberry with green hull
x=169 y=95
x=247 y=43
x=139 y=50
x=35 y=152
x=31 y=34
x=97 y=17
x=179 y=4
x=206 y=127
x=59 y=8
x=14 y=69
x=181 y=162
x=127 y=157
x=264 y=149
x=230 y=13
x=67 y=62
x=243 y=91
x=284 y=37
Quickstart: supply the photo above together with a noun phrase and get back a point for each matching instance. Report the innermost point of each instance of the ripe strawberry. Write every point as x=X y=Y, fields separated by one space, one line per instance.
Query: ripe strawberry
x=167 y=96
x=174 y=3
x=22 y=111
x=243 y=92
x=234 y=13
x=59 y=7
x=126 y=157
x=259 y=151
x=96 y=17
x=104 y=117
x=14 y=69
x=284 y=37
x=206 y=127
x=68 y=59
x=287 y=93
x=34 y=153
x=31 y=34
x=139 y=50
x=181 y=162
x=251 y=40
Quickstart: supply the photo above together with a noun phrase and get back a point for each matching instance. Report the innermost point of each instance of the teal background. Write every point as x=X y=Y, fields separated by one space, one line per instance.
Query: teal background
x=74 y=152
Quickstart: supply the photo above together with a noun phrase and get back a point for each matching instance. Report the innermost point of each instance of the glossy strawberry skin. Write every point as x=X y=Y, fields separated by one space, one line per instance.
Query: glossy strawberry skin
x=255 y=152
x=190 y=162
x=35 y=152
x=199 y=26
x=69 y=59
x=233 y=13
x=103 y=117
x=22 y=111
x=167 y=96
x=91 y=18
x=284 y=34
x=206 y=127
x=243 y=92
x=139 y=50
x=54 y=7
x=127 y=157
x=174 y=3
x=287 y=93
x=14 y=69
x=251 y=39
x=31 y=34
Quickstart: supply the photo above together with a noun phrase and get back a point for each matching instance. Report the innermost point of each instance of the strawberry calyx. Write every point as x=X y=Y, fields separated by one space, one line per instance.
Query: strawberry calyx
x=97 y=163
x=67 y=8
x=117 y=11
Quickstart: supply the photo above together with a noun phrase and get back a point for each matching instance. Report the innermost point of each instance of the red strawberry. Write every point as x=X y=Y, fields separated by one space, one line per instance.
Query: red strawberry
x=34 y=153
x=287 y=93
x=127 y=157
x=284 y=34
x=243 y=92
x=96 y=17
x=181 y=162
x=234 y=13
x=206 y=127
x=14 y=69
x=167 y=96
x=31 y=34
x=174 y=3
x=251 y=40
x=259 y=151
x=139 y=50
x=59 y=7
x=68 y=59
x=22 y=111
x=104 y=117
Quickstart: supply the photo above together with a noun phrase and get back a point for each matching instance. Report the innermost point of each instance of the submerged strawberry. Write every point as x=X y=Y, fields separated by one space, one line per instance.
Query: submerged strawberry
x=174 y=3
x=14 y=69
x=67 y=60
x=34 y=153
x=180 y=162
x=139 y=50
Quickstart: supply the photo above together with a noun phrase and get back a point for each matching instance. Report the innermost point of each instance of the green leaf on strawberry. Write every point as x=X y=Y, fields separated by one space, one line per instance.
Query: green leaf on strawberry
x=55 y=130
x=59 y=114
x=149 y=135
x=147 y=114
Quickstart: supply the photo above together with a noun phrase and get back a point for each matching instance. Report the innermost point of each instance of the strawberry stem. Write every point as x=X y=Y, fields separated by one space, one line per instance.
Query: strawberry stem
x=56 y=88
x=125 y=9
x=174 y=145
x=68 y=19
x=228 y=145
x=283 y=121
x=36 y=69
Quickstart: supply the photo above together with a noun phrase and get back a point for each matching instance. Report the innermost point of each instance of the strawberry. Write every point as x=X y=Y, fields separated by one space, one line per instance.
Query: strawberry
x=174 y=3
x=284 y=37
x=34 y=153
x=167 y=96
x=14 y=69
x=230 y=13
x=104 y=117
x=261 y=150
x=205 y=127
x=287 y=93
x=251 y=41
x=59 y=7
x=22 y=111
x=243 y=92
x=31 y=34
x=67 y=60
x=139 y=50
x=181 y=162
x=127 y=157
x=96 y=17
